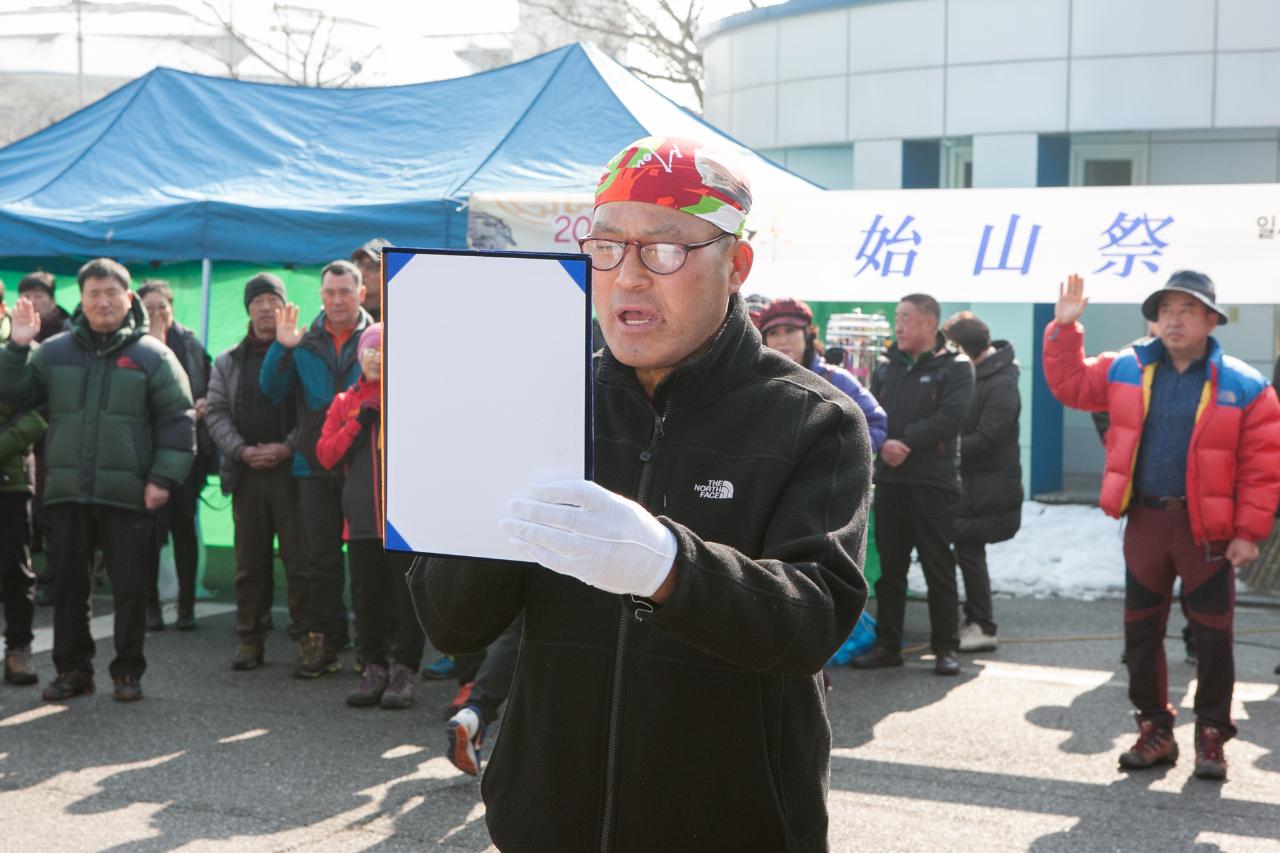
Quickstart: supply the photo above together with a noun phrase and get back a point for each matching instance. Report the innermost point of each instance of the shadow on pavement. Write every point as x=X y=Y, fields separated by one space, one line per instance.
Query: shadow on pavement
x=258 y=759
x=1124 y=815
x=854 y=709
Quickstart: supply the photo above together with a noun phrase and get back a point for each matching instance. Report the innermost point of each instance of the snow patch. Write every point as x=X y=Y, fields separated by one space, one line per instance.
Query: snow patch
x=1062 y=550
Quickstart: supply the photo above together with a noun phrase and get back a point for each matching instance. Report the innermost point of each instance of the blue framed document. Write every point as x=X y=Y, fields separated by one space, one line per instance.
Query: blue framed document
x=486 y=388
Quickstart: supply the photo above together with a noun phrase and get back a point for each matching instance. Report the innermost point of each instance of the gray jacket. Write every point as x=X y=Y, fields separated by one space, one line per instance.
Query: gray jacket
x=222 y=413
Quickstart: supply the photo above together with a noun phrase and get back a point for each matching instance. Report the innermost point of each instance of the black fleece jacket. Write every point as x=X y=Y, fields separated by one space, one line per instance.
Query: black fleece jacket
x=701 y=725
x=927 y=401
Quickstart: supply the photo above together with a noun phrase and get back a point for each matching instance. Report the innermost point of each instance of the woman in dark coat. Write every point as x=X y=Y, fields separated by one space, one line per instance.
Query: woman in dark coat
x=990 y=472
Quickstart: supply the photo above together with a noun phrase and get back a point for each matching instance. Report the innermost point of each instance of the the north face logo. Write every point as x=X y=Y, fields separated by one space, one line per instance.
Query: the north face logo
x=714 y=489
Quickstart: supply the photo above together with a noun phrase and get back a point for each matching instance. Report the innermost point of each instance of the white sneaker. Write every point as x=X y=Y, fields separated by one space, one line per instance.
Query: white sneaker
x=974 y=639
x=465 y=730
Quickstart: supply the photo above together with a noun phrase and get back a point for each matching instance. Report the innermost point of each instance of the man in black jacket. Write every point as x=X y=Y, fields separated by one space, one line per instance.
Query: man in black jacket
x=178 y=517
x=990 y=471
x=668 y=694
x=926 y=385
x=38 y=287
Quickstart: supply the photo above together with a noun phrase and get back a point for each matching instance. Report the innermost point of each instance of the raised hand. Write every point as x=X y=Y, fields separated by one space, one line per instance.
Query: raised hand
x=1071 y=300
x=25 y=322
x=288 y=332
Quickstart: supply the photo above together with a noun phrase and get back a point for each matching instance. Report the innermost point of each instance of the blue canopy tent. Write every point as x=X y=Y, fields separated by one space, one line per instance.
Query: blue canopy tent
x=178 y=166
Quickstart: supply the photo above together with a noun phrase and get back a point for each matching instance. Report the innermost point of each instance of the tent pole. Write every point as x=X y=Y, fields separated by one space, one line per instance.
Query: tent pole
x=206 y=280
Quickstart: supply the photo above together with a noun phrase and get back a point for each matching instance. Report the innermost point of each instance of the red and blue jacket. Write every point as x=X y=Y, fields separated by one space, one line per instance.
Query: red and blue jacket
x=1233 y=460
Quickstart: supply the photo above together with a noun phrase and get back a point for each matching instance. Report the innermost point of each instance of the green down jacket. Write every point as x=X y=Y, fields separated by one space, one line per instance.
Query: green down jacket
x=120 y=411
x=18 y=431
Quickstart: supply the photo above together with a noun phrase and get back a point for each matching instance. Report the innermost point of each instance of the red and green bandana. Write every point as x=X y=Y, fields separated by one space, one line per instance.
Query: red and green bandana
x=681 y=174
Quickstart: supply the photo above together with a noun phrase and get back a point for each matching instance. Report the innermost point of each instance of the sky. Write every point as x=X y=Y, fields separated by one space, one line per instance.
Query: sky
x=410 y=42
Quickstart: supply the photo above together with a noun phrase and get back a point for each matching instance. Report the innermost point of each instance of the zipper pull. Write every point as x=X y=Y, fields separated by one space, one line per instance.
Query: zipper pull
x=646 y=455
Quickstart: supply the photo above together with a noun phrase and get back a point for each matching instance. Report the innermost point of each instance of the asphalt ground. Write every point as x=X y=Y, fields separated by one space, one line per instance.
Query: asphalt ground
x=1017 y=753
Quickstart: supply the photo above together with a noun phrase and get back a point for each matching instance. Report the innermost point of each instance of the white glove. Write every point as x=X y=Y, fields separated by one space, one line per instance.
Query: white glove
x=581 y=529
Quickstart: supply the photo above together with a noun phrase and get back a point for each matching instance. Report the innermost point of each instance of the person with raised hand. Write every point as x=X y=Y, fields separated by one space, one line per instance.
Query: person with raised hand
x=308 y=367
x=121 y=402
x=1191 y=446
x=19 y=430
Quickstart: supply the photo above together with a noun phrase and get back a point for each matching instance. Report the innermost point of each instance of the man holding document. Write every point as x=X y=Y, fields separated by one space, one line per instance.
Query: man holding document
x=668 y=694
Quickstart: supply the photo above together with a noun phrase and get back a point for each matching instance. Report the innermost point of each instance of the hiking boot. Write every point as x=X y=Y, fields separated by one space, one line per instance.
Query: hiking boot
x=1155 y=745
x=320 y=659
x=247 y=656
x=974 y=639
x=302 y=648
x=186 y=620
x=127 y=689
x=68 y=684
x=465 y=731
x=18 y=668
x=1210 y=762
x=372 y=685
x=155 y=618
x=462 y=698
x=877 y=658
x=441 y=670
x=399 y=693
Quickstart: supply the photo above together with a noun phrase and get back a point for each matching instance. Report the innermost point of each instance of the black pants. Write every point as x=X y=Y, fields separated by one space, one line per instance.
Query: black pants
x=493 y=681
x=265 y=506
x=972 y=557
x=126 y=537
x=321 y=500
x=385 y=619
x=16 y=578
x=177 y=518
x=919 y=517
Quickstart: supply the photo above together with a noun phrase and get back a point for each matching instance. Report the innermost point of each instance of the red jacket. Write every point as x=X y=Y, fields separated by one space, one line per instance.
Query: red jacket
x=1233 y=461
x=362 y=491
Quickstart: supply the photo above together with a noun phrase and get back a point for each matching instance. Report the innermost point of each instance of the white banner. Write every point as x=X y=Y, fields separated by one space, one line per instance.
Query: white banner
x=1015 y=245
x=1001 y=245
x=528 y=221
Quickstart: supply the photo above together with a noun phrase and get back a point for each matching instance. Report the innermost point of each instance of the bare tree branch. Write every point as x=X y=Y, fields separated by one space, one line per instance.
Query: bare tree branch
x=667 y=31
x=312 y=43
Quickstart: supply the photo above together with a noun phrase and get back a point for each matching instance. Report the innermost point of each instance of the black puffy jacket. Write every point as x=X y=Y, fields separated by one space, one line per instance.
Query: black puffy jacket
x=926 y=400
x=700 y=725
x=990 y=458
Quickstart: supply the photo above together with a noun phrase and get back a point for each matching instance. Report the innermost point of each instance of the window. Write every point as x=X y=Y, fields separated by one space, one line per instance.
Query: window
x=957 y=164
x=1108 y=165
x=1108 y=173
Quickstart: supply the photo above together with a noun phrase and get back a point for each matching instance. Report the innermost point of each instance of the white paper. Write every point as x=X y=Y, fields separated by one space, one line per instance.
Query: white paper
x=486 y=363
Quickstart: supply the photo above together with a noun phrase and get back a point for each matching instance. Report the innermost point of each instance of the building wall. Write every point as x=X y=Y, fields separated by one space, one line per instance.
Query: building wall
x=820 y=72
x=1188 y=91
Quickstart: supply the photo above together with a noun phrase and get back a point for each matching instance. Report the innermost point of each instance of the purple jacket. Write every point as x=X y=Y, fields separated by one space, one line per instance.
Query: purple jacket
x=877 y=420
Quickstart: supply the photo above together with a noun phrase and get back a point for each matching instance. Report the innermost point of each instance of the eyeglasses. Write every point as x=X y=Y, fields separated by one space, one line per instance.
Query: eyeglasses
x=371 y=352
x=659 y=258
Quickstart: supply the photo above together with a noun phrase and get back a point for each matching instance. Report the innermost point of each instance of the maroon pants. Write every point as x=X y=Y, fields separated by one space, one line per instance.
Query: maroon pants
x=1158 y=547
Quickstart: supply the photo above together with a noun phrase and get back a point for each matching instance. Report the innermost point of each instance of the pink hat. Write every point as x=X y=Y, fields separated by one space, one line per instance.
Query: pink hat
x=371 y=337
